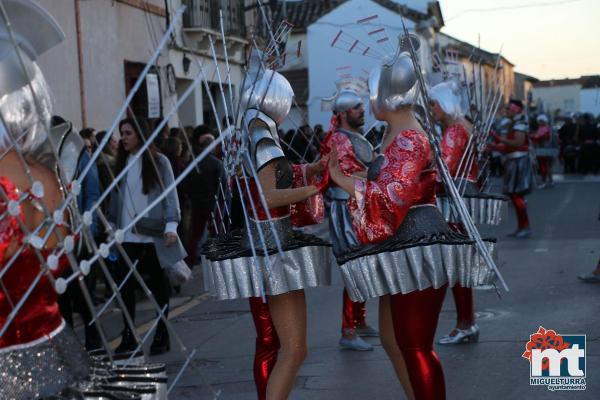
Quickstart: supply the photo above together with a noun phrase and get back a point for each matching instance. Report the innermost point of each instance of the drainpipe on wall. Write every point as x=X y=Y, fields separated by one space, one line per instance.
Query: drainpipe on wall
x=80 y=65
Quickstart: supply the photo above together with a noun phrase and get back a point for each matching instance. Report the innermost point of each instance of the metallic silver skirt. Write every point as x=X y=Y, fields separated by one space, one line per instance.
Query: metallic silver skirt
x=519 y=175
x=424 y=253
x=43 y=369
x=416 y=268
x=485 y=210
x=231 y=272
x=244 y=277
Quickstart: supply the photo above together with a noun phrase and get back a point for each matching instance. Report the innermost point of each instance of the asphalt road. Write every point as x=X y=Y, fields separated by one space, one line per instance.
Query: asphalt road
x=541 y=272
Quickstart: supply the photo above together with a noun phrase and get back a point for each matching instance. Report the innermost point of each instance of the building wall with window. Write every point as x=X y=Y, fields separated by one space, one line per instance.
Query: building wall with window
x=191 y=55
x=112 y=34
x=564 y=99
x=478 y=66
x=590 y=100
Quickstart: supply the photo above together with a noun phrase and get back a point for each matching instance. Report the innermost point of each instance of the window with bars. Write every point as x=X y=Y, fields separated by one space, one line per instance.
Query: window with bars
x=205 y=14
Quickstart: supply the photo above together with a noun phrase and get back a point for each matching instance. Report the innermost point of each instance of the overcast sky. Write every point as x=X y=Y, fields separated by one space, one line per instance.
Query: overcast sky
x=546 y=41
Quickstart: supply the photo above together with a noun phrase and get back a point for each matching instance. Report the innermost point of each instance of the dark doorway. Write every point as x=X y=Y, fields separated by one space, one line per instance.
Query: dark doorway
x=139 y=103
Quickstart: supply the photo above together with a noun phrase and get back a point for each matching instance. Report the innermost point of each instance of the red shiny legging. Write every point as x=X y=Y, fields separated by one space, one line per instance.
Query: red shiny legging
x=521 y=209
x=463 y=297
x=267 y=345
x=465 y=309
x=415 y=317
x=545 y=164
x=353 y=313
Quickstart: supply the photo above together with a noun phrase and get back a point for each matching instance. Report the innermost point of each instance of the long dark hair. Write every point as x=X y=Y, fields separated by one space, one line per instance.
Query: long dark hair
x=150 y=176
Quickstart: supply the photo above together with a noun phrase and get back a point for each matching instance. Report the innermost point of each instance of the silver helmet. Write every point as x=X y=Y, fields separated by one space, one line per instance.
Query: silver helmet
x=272 y=95
x=447 y=95
x=348 y=95
x=393 y=83
x=26 y=115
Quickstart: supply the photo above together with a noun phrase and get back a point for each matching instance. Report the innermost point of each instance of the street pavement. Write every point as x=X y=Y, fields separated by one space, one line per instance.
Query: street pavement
x=541 y=272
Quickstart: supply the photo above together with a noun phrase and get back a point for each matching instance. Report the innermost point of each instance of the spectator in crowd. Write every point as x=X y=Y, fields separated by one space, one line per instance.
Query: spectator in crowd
x=107 y=160
x=201 y=187
x=152 y=242
x=587 y=135
x=89 y=134
x=172 y=149
x=72 y=300
x=300 y=148
x=568 y=146
x=287 y=148
x=186 y=139
x=319 y=135
x=106 y=164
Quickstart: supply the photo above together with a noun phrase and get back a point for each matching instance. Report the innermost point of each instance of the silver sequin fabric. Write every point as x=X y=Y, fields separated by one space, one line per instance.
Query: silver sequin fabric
x=243 y=277
x=416 y=268
x=483 y=210
x=43 y=369
x=305 y=262
x=519 y=175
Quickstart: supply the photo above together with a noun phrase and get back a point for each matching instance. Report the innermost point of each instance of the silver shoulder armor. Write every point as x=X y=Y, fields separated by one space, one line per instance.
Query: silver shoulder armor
x=69 y=146
x=264 y=147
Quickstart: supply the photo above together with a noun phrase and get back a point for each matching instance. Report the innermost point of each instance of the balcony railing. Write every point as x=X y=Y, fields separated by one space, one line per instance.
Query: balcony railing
x=205 y=14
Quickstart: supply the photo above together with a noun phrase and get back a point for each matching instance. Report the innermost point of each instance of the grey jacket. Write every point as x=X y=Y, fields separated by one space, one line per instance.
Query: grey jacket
x=166 y=210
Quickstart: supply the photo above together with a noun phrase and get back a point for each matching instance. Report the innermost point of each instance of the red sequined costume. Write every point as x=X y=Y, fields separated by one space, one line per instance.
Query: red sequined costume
x=353 y=313
x=540 y=138
x=39 y=318
x=406 y=179
x=454 y=144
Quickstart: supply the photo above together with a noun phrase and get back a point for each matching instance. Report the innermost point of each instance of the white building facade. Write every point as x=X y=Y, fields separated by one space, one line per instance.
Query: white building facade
x=323 y=63
x=590 y=100
x=565 y=96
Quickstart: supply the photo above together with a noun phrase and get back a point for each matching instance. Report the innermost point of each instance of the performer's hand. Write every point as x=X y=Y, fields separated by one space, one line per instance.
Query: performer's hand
x=314 y=168
x=170 y=238
x=324 y=184
x=334 y=164
x=343 y=181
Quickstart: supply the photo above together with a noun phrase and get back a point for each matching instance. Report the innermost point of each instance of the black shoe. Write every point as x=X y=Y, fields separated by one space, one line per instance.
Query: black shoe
x=161 y=343
x=128 y=342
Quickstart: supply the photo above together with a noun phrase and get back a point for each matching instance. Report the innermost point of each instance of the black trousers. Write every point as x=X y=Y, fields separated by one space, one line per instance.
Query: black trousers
x=149 y=267
x=73 y=300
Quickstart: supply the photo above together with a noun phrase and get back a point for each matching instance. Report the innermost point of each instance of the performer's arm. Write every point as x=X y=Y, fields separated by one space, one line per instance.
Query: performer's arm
x=344 y=181
x=281 y=197
x=348 y=162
